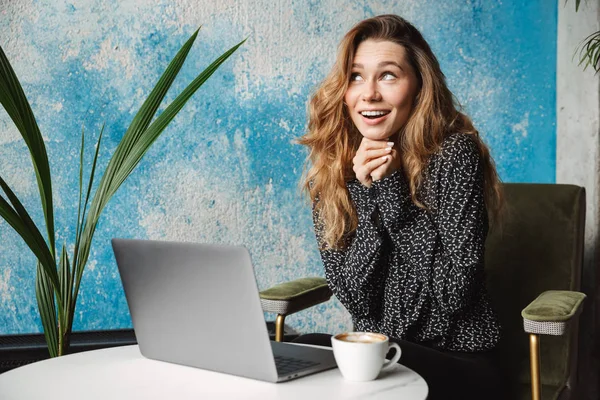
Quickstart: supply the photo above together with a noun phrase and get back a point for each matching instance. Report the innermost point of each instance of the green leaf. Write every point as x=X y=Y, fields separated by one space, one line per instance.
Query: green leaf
x=16 y=105
x=577 y=2
x=22 y=223
x=138 y=126
x=64 y=275
x=589 y=50
x=78 y=267
x=144 y=116
x=45 y=299
x=63 y=285
x=158 y=126
x=80 y=223
x=136 y=141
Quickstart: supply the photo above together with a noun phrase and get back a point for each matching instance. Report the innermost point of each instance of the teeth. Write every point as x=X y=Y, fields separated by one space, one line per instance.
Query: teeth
x=373 y=113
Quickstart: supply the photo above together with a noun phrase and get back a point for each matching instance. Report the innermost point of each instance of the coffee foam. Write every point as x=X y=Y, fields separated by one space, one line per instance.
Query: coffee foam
x=361 y=337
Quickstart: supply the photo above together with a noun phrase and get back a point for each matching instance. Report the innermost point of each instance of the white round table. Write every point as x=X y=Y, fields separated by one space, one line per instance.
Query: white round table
x=123 y=373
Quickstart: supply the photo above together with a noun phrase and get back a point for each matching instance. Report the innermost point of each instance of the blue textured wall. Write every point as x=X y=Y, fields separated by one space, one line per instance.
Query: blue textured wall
x=226 y=170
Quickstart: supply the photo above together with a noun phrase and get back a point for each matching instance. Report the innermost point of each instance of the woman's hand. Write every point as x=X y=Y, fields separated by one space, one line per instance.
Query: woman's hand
x=374 y=160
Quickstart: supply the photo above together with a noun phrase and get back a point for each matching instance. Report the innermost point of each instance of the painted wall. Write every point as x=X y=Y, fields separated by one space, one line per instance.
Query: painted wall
x=578 y=162
x=227 y=170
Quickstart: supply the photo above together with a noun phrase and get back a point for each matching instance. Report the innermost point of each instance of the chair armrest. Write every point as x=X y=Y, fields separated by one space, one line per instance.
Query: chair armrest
x=551 y=311
x=290 y=297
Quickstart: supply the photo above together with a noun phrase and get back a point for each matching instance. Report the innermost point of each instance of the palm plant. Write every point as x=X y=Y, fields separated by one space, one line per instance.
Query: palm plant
x=589 y=49
x=58 y=278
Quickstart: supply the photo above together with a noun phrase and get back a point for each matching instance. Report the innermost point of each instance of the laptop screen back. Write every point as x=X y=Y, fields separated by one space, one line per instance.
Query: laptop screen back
x=196 y=305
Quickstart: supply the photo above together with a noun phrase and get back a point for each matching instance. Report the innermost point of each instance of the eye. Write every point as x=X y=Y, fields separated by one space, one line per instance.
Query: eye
x=388 y=76
x=355 y=77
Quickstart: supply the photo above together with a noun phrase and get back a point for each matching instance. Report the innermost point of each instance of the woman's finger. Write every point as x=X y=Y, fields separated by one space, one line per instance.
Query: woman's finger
x=379 y=172
x=373 y=164
x=363 y=175
x=363 y=156
x=387 y=168
x=364 y=172
x=373 y=154
x=368 y=144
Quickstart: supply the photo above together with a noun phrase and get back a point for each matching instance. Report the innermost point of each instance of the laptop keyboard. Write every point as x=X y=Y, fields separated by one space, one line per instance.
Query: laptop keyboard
x=287 y=365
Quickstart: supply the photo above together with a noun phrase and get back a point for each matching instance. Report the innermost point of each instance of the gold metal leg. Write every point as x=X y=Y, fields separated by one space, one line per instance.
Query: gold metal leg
x=279 y=328
x=534 y=362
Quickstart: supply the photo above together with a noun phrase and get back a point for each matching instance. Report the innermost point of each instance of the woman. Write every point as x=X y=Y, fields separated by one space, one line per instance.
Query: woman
x=401 y=185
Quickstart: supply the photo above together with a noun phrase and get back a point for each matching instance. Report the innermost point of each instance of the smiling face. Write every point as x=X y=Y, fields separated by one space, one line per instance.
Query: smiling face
x=382 y=89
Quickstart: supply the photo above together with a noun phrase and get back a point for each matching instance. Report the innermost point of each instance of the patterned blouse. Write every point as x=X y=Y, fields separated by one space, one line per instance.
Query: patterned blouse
x=417 y=274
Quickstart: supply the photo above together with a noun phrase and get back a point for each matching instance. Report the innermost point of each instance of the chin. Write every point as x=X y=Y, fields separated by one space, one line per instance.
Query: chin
x=375 y=135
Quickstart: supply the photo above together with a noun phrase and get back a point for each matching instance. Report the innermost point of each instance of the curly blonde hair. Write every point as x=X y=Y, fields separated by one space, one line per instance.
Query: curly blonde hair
x=333 y=139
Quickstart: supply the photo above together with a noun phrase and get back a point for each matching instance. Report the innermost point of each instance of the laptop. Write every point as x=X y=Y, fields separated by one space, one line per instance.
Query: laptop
x=198 y=305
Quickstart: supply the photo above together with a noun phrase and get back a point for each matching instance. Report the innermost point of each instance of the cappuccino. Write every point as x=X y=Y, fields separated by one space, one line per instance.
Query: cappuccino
x=360 y=356
x=361 y=337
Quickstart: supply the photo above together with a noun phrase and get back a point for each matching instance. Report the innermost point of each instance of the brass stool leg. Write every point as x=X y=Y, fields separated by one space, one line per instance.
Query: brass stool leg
x=279 y=327
x=534 y=361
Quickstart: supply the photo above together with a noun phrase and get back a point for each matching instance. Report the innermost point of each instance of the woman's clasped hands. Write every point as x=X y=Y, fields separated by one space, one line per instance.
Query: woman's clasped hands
x=374 y=160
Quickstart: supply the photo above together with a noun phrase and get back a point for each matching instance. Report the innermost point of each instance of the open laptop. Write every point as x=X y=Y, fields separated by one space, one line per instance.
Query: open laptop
x=198 y=305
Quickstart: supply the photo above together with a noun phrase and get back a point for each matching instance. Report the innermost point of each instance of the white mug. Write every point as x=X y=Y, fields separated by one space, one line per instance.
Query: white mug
x=360 y=356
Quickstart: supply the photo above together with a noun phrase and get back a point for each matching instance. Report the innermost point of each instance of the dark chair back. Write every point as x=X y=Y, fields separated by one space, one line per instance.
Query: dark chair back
x=537 y=247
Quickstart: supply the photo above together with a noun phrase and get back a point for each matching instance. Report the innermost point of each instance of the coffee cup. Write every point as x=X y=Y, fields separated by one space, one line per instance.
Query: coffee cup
x=360 y=356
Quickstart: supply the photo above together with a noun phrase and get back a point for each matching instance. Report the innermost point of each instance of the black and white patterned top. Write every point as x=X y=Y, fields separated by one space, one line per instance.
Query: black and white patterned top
x=417 y=274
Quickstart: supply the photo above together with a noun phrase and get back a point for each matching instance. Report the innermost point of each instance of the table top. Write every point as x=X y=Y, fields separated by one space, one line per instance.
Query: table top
x=123 y=373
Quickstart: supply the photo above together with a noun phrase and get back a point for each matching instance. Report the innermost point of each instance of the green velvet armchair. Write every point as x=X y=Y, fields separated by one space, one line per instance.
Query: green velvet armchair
x=538 y=255
x=533 y=267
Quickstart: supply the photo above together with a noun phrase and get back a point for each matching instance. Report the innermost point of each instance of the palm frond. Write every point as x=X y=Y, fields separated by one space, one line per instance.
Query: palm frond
x=142 y=119
x=64 y=308
x=64 y=275
x=133 y=146
x=16 y=105
x=577 y=3
x=19 y=219
x=77 y=266
x=58 y=289
x=80 y=222
x=138 y=126
x=45 y=299
x=79 y=217
x=588 y=52
x=161 y=122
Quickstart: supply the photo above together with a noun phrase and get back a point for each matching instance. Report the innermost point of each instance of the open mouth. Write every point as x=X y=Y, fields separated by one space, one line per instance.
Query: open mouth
x=374 y=114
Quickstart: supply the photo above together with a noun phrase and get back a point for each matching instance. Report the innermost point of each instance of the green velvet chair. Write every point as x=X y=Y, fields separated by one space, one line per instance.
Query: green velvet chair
x=538 y=254
x=290 y=297
x=533 y=267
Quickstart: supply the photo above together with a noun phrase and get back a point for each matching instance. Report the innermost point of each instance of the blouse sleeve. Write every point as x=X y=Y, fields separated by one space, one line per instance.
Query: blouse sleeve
x=451 y=259
x=355 y=273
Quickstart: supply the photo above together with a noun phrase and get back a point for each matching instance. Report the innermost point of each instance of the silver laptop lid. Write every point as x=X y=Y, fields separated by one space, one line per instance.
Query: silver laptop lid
x=197 y=305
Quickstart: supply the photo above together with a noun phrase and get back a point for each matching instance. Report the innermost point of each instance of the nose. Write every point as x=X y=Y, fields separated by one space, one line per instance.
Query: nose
x=370 y=92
